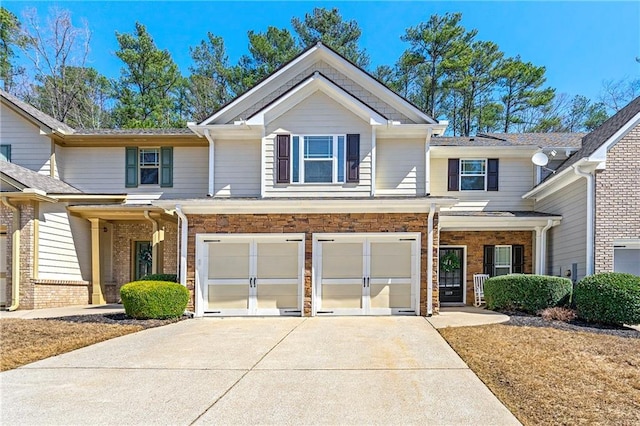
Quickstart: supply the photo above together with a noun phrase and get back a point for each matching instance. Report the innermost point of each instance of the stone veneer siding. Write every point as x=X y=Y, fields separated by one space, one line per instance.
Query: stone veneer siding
x=475 y=242
x=316 y=223
x=125 y=234
x=617 y=199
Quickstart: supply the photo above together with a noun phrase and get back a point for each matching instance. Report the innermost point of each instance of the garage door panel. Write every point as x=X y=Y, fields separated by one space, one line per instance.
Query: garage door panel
x=228 y=296
x=391 y=259
x=342 y=296
x=390 y=295
x=229 y=260
x=277 y=296
x=342 y=260
x=277 y=260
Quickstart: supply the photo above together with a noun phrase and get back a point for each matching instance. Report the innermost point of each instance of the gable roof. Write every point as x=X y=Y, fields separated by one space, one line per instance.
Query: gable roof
x=35 y=114
x=542 y=140
x=30 y=179
x=318 y=51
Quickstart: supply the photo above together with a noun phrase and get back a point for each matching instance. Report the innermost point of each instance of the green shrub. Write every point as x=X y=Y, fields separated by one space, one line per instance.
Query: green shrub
x=527 y=293
x=154 y=299
x=172 y=278
x=609 y=298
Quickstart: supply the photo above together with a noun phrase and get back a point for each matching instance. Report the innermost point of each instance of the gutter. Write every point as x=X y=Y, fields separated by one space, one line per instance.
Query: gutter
x=184 y=234
x=154 y=243
x=590 y=217
x=15 y=255
x=432 y=211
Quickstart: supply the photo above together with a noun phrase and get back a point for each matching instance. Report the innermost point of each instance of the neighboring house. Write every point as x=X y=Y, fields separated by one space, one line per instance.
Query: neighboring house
x=317 y=192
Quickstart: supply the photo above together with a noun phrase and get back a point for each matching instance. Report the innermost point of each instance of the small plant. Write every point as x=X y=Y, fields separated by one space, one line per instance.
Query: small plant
x=172 y=278
x=154 y=299
x=609 y=298
x=558 y=314
x=527 y=293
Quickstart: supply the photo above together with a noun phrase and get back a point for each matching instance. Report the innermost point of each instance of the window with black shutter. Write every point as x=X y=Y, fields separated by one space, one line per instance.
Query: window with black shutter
x=453 y=174
x=353 y=158
x=503 y=259
x=283 y=158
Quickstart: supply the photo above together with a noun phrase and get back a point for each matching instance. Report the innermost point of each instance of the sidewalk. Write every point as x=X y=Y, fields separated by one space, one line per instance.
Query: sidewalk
x=64 y=312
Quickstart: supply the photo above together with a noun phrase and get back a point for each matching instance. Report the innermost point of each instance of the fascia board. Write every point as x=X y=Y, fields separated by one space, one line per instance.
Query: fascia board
x=261 y=86
x=555 y=183
x=375 y=87
x=469 y=223
x=313 y=84
x=600 y=154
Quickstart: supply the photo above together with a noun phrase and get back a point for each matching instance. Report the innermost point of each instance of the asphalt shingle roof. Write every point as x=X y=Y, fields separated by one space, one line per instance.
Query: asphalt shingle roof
x=31 y=179
x=544 y=140
x=38 y=115
x=142 y=132
x=595 y=139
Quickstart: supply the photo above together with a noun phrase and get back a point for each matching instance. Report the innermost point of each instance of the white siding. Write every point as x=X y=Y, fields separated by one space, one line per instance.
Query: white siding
x=400 y=167
x=237 y=168
x=101 y=170
x=63 y=245
x=515 y=178
x=567 y=242
x=319 y=115
x=29 y=148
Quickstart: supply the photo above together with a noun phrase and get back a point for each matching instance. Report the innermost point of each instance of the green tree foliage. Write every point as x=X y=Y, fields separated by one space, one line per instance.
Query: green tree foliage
x=268 y=51
x=10 y=40
x=209 y=79
x=147 y=89
x=520 y=85
x=436 y=46
x=328 y=26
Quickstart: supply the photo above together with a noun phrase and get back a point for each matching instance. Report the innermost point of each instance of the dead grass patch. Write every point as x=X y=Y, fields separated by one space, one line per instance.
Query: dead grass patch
x=26 y=341
x=550 y=376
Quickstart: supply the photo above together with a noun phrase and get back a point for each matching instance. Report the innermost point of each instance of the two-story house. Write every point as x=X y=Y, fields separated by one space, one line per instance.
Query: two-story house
x=317 y=192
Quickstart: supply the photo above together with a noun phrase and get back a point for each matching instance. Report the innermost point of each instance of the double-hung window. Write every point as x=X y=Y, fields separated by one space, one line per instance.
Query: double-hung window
x=502 y=262
x=504 y=259
x=473 y=175
x=318 y=158
x=149 y=166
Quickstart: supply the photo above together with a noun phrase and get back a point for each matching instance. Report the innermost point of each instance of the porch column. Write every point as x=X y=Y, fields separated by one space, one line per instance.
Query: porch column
x=538 y=251
x=97 y=293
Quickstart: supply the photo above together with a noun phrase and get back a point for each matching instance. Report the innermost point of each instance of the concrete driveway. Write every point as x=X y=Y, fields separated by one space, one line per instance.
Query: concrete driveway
x=341 y=370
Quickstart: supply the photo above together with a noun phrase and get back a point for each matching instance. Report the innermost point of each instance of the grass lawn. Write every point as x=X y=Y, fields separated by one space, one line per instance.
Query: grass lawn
x=551 y=376
x=25 y=341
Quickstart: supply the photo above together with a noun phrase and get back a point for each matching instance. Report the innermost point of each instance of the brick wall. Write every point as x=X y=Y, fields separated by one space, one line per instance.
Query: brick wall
x=309 y=224
x=617 y=199
x=55 y=294
x=475 y=242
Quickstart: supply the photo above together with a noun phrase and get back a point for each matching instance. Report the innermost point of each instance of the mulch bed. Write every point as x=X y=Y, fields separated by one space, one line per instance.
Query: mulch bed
x=525 y=320
x=119 y=319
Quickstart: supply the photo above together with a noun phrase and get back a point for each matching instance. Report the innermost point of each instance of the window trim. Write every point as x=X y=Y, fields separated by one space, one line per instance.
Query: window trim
x=158 y=166
x=6 y=147
x=495 y=258
x=335 y=158
x=461 y=174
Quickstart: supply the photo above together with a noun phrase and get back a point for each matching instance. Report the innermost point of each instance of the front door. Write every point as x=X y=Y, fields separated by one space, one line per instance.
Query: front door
x=452 y=277
x=369 y=274
x=143 y=259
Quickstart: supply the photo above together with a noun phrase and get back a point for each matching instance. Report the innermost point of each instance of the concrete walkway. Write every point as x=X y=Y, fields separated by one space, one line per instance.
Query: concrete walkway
x=463 y=316
x=63 y=312
x=339 y=370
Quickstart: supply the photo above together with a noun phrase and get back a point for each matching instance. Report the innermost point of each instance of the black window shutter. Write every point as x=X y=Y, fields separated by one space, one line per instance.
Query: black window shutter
x=131 y=167
x=166 y=172
x=353 y=158
x=488 y=262
x=517 y=259
x=454 y=170
x=492 y=174
x=283 y=147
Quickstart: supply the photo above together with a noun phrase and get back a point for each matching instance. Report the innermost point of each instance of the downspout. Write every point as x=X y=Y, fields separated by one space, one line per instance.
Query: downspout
x=207 y=135
x=590 y=216
x=543 y=247
x=432 y=211
x=154 y=243
x=184 y=234
x=15 y=255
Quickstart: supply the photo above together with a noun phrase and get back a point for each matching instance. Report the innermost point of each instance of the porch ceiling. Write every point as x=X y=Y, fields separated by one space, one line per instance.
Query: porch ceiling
x=115 y=213
x=488 y=221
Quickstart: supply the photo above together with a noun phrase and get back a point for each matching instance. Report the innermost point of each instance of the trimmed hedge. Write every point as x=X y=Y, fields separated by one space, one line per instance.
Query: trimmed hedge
x=154 y=299
x=609 y=298
x=172 y=278
x=527 y=293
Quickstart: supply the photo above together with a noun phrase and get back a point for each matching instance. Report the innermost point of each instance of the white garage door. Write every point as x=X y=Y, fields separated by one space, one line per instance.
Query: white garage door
x=627 y=260
x=251 y=274
x=366 y=274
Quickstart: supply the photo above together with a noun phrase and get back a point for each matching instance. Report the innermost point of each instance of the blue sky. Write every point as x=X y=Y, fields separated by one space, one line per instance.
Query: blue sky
x=580 y=43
